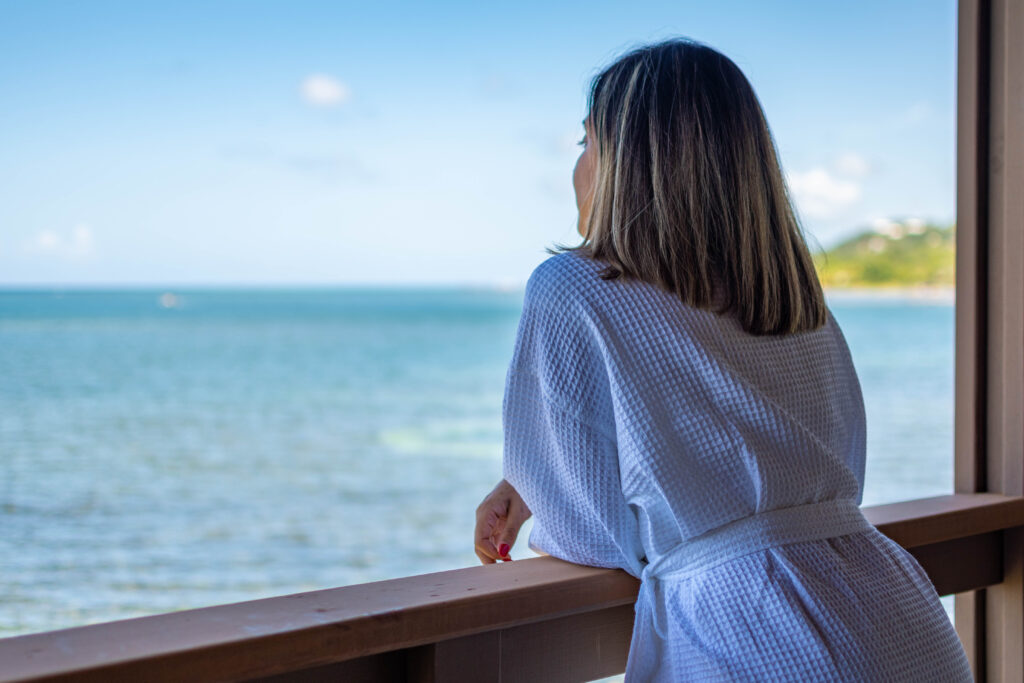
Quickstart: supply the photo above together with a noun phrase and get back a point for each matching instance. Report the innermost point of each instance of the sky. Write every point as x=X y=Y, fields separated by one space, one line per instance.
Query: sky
x=307 y=143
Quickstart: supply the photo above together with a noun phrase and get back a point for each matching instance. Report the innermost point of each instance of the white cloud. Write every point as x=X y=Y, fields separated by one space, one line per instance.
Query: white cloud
x=851 y=165
x=819 y=194
x=79 y=243
x=321 y=90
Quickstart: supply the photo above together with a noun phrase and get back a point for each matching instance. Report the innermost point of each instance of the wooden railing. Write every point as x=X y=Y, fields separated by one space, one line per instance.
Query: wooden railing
x=538 y=619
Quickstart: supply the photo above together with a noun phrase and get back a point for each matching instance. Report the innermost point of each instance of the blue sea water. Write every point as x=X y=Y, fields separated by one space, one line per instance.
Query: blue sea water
x=167 y=452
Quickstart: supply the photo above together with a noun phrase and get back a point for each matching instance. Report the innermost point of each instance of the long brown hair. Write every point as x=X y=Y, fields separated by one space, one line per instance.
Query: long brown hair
x=688 y=191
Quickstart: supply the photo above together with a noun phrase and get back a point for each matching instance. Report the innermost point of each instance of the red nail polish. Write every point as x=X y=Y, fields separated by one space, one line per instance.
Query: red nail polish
x=503 y=550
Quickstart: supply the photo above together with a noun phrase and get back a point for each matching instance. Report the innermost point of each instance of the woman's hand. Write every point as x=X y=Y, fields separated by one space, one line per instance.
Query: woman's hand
x=498 y=519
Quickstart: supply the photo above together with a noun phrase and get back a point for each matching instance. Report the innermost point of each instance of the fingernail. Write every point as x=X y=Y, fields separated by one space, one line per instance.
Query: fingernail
x=503 y=550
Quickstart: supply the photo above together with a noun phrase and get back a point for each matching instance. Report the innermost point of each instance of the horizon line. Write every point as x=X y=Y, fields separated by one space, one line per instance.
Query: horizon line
x=186 y=286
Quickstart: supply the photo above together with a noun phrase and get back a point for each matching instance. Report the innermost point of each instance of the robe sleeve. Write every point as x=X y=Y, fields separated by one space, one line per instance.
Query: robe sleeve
x=560 y=451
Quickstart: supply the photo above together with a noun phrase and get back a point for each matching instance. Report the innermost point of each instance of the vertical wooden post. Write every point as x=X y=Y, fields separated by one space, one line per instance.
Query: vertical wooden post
x=971 y=290
x=990 y=310
x=1004 y=604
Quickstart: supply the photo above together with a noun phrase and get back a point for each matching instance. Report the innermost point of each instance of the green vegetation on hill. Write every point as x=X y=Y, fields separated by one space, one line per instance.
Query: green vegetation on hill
x=896 y=255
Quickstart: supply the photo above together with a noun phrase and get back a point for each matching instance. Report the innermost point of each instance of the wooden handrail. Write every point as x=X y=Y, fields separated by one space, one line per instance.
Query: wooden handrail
x=916 y=523
x=291 y=633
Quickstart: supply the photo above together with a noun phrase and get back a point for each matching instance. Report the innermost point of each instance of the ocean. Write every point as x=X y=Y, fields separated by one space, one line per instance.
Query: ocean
x=162 y=451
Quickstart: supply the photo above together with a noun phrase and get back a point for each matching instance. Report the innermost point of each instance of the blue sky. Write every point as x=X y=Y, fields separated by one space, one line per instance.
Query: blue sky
x=414 y=143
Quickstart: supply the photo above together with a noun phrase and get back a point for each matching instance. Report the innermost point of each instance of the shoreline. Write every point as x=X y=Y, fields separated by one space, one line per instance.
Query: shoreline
x=923 y=293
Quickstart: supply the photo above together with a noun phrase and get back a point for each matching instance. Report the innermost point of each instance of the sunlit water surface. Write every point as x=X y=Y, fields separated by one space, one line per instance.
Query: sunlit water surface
x=165 y=452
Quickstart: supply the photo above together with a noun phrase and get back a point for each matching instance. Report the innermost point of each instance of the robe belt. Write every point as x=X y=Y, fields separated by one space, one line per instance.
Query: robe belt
x=762 y=530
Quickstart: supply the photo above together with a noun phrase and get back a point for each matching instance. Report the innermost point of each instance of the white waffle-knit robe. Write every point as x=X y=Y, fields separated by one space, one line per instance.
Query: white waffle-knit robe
x=655 y=437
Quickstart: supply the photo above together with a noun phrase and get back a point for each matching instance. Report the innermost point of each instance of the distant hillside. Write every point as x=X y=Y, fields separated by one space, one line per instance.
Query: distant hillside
x=895 y=255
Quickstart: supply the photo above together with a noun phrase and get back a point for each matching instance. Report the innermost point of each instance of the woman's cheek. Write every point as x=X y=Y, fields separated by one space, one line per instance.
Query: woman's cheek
x=576 y=180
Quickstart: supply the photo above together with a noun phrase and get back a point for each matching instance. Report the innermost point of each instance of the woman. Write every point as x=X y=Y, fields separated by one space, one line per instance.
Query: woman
x=682 y=404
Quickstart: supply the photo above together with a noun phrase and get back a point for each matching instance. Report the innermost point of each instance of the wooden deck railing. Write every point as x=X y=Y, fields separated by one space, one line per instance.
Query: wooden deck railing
x=538 y=619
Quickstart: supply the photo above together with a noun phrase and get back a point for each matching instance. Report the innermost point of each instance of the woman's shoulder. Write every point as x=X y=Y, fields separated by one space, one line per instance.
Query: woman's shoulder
x=570 y=280
x=568 y=288
x=566 y=273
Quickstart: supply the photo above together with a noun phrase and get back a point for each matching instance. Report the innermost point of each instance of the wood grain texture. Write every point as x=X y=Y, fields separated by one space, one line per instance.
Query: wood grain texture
x=423 y=621
x=971 y=247
x=998 y=631
x=931 y=520
x=581 y=647
x=277 y=635
x=972 y=276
